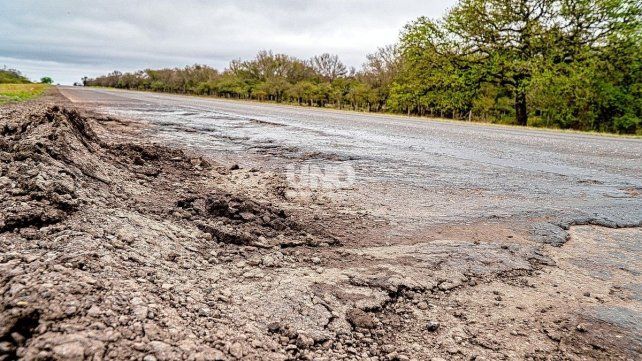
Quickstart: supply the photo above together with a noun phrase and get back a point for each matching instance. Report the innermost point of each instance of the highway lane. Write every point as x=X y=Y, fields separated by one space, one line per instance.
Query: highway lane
x=415 y=174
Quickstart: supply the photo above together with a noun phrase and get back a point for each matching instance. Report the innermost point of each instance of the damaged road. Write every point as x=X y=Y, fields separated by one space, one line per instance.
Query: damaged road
x=120 y=243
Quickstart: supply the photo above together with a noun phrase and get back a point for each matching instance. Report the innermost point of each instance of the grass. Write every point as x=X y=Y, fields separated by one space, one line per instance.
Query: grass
x=20 y=92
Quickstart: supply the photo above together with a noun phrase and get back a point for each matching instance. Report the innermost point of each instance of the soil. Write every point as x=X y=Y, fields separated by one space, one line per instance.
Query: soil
x=115 y=247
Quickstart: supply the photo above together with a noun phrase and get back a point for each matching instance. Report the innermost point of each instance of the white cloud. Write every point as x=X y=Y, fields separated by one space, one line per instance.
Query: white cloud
x=69 y=39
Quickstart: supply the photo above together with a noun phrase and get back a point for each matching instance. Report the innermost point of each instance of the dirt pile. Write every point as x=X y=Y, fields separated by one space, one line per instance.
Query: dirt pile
x=114 y=248
x=42 y=159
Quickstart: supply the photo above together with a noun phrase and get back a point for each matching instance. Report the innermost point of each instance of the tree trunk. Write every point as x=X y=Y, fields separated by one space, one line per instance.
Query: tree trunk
x=521 y=111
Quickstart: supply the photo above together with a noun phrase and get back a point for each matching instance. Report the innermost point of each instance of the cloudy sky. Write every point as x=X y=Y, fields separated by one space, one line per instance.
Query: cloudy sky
x=68 y=39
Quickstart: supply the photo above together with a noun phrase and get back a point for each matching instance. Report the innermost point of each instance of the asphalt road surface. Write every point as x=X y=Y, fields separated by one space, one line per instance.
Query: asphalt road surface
x=417 y=174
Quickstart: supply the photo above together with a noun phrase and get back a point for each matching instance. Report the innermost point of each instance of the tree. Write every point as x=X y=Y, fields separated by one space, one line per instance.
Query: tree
x=329 y=67
x=46 y=80
x=380 y=71
x=506 y=42
x=504 y=38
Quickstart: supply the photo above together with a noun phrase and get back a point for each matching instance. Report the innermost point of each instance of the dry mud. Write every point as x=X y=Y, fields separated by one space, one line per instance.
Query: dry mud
x=113 y=247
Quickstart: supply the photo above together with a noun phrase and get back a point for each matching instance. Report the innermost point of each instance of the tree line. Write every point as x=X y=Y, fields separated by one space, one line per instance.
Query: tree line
x=572 y=64
x=321 y=81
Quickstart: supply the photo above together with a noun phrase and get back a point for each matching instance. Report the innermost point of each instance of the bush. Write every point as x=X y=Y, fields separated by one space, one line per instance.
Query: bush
x=628 y=124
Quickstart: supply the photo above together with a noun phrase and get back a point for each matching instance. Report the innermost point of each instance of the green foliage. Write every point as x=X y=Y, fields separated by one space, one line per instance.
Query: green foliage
x=321 y=81
x=12 y=76
x=628 y=124
x=46 y=80
x=561 y=63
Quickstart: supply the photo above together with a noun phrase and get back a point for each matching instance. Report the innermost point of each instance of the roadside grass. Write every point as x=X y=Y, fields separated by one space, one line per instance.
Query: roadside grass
x=20 y=92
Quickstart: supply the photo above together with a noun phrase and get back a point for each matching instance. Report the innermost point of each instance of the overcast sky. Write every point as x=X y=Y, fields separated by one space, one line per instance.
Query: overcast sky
x=67 y=39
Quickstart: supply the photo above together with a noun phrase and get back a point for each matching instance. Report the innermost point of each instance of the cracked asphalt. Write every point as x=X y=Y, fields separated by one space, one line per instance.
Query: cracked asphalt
x=417 y=174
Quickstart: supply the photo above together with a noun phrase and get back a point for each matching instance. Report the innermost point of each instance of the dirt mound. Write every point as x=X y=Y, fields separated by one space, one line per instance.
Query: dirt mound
x=43 y=154
x=100 y=236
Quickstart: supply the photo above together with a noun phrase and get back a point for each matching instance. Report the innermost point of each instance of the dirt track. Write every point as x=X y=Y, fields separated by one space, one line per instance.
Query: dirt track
x=115 y=246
